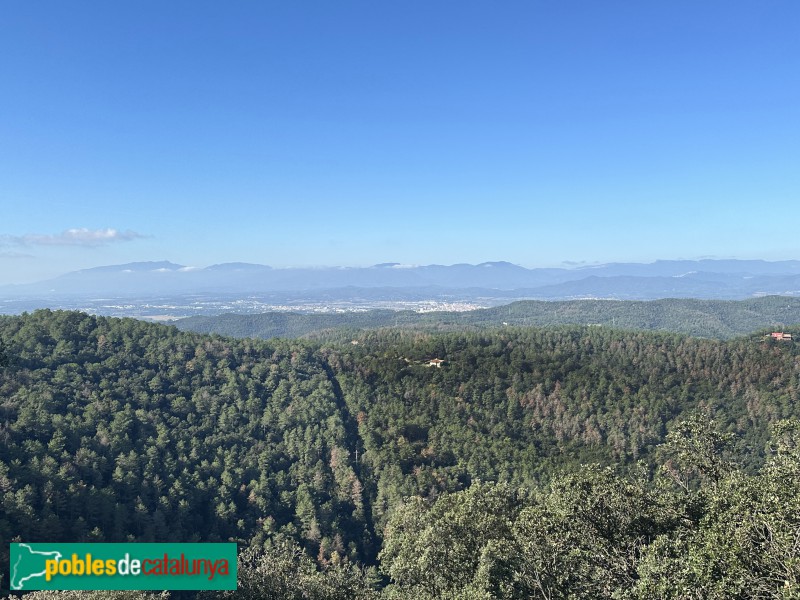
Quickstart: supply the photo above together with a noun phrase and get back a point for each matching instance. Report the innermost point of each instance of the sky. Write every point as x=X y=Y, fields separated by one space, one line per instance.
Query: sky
x=353 y=133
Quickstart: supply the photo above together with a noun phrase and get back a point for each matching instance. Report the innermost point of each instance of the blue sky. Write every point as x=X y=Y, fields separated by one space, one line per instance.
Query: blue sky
x=354 y=133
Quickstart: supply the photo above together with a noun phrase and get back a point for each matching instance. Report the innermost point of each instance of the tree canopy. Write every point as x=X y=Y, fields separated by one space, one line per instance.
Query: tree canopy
x=573 y=458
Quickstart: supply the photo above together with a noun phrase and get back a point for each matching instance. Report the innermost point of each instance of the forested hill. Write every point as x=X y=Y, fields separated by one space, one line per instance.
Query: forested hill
x=721 y=319
x=114 y=430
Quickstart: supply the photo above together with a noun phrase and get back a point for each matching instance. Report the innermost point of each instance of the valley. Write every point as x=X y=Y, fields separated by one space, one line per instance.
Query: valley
x=117 y=429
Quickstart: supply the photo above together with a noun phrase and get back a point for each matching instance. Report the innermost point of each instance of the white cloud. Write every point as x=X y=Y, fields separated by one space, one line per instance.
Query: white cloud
x=80 y=236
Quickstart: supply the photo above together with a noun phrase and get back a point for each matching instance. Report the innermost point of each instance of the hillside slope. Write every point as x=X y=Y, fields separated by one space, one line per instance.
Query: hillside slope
x=118 y=430
x=721 y=319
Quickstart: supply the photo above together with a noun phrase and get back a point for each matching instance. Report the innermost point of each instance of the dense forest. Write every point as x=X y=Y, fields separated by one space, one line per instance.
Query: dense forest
x=721 y=319
x=570 y=462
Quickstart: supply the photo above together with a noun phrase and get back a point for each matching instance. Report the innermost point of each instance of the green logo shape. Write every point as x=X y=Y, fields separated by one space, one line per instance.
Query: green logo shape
x=122 y=566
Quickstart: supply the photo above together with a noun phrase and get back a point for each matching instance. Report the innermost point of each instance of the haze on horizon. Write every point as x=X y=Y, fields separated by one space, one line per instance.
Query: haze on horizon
x=357 y=133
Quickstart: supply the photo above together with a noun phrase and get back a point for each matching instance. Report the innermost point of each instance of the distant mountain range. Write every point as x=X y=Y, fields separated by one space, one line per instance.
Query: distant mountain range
x=710 y=279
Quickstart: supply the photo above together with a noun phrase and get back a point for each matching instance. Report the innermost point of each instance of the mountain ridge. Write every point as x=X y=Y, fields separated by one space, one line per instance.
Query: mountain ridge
x=490 y=282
